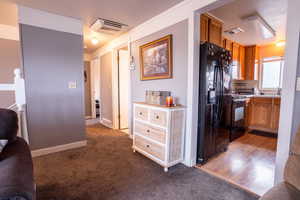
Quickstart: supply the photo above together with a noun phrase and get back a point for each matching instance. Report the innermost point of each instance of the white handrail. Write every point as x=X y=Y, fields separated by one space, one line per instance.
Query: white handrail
x=20 y=106
x=7 y=87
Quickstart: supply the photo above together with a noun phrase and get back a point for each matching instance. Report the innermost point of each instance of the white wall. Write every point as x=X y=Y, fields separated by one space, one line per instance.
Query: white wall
x=178 y=84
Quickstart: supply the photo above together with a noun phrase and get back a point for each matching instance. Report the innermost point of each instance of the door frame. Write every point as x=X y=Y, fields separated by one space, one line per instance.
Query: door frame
x=119 y=97
x=115 y=88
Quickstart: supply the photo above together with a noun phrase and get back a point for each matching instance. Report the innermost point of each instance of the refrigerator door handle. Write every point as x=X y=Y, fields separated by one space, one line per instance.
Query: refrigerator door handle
x=220 y=93
x=218 y=90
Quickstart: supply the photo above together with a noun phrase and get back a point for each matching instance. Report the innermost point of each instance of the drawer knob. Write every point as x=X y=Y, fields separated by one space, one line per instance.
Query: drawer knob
x=141 y=113
x=157 y=117
x=148 y=131
x=148 y=145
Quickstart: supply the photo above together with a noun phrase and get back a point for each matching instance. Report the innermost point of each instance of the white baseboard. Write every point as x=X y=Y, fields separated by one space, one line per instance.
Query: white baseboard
x=59 y=148
x=106 y=122
x=92 y=121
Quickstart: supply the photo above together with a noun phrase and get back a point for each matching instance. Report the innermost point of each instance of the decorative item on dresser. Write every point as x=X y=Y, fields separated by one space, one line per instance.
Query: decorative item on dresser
x=157 y=97
x=159 y=133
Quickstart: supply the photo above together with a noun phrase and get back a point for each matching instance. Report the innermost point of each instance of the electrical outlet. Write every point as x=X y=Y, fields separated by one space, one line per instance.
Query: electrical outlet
x=72 y=85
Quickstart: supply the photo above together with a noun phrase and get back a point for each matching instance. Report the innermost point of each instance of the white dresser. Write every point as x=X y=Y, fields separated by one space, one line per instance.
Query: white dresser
x=158 y=133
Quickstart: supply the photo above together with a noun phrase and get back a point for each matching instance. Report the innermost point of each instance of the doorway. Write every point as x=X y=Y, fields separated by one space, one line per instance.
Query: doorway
x=87 y=89
x=95 y=88
x=123 y=89
x=238 y=142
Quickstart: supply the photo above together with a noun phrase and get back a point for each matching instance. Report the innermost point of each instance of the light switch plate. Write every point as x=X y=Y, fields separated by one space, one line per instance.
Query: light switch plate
x=72 y=85
x=298 y=84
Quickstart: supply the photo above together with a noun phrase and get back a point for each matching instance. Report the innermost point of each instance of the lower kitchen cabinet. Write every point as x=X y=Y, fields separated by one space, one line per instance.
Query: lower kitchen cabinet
x=264 y=114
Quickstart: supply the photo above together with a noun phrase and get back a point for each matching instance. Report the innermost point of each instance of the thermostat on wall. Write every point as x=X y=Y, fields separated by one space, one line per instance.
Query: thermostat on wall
x=72 y=85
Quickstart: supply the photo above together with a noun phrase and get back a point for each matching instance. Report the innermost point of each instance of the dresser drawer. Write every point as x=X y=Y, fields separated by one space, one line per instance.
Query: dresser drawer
x=154 y=133
x=141 y=113
x=158 y=117
x=150 y=147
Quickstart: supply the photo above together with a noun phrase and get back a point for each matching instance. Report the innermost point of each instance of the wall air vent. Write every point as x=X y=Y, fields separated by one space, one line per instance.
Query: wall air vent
x=108 y=26
x=234 y=31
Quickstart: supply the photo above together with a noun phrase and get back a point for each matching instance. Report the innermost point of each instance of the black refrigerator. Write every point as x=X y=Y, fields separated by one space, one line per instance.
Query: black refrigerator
x=215 y=99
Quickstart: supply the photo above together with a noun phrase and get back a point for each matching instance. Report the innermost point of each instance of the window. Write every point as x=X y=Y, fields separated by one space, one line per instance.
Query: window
x=271 y=73
x=256 y=70
x=235 y=70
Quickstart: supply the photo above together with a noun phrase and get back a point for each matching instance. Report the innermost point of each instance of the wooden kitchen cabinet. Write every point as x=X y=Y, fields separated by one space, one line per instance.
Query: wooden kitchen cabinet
x=264 y=114
x=204 y=28
x=276 y=114
x=242 y=62
x=227 y=44
x=215 y=32
x=211 y=30
x=236 y=52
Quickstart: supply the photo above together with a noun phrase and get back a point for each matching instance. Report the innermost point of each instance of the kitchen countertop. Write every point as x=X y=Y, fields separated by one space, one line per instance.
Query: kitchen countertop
x=267 y=96
x=243 y=97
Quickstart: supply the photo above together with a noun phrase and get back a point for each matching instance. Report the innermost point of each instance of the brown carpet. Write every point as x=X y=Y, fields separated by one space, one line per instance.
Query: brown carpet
x=108 y=169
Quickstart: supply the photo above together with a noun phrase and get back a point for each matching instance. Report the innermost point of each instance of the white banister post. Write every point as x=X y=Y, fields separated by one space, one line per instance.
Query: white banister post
x=19 y=89
x=20 y=102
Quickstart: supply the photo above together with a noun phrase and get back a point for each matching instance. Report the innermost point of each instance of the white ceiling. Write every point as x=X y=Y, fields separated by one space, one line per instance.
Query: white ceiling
x=273 y=11
x=130 y=12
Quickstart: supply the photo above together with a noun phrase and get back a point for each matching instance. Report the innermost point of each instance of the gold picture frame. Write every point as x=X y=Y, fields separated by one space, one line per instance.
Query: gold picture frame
x=156 y=59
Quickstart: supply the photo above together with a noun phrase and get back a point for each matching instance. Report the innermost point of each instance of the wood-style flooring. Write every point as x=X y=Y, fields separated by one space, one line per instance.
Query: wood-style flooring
x=249 y=163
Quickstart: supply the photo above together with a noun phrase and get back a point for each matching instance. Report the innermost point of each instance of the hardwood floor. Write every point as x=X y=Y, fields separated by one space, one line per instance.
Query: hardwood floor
x=249 y=163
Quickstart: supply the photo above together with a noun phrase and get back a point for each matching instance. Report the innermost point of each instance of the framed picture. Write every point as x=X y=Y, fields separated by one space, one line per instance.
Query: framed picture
x=156 y=59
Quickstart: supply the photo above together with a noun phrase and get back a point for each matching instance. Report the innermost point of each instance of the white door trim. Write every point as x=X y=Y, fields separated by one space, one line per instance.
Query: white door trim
x=192 y=89
x=123 y=86
x=115 y=87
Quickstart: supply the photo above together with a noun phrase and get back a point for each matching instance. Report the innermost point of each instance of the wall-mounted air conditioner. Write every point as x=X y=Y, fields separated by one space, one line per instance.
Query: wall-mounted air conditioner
x=108 y=26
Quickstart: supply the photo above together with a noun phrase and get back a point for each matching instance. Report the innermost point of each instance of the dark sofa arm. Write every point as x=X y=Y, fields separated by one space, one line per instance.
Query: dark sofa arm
x=16 y=172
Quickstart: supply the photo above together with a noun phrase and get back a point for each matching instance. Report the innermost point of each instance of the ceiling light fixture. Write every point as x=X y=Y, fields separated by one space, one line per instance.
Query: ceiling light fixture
x=280 y=43
x=266 y=30
x=234 y=30
x=95 y=41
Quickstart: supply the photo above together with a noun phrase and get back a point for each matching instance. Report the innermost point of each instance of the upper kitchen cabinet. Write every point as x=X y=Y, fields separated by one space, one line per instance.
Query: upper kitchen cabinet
x=227 y=44
x=251 y=55
x=236 y=52
x=211 y=30
x=204 y=28
x=215 y=32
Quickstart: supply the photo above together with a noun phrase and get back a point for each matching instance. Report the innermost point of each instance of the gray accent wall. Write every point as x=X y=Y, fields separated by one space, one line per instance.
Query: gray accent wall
x=52 y=59
x=178 y=84
x=10 y=60
x=106 y=87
